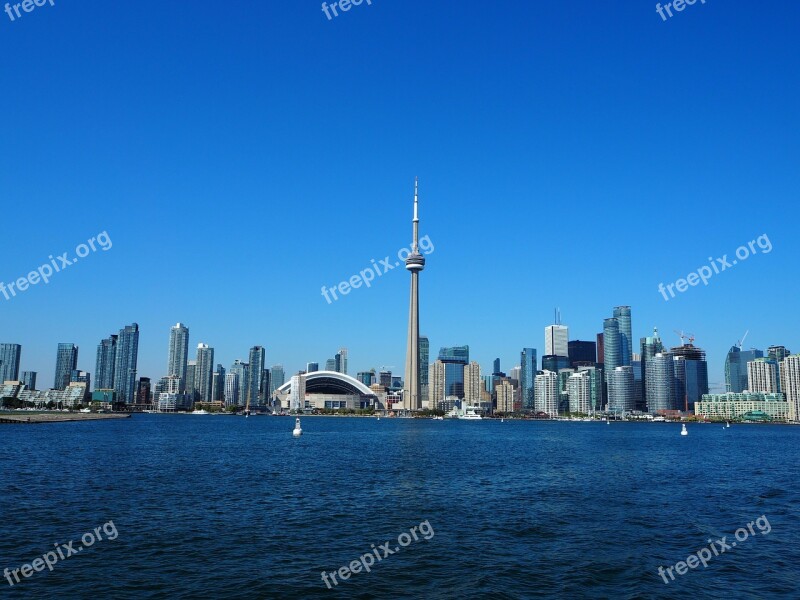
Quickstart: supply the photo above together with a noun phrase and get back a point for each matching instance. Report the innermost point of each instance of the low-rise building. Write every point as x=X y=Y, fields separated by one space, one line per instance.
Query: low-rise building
x=738 y=406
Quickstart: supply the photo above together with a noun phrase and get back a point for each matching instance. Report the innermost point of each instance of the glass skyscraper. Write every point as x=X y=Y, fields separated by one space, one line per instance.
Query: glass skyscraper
x=736 y=368
x=106 y=361
x=277 y=378
x=454 y=359
x=29 y=379
x=621 y=390
x=660 y=383
x=582 y=352
x=66 y=363
x=204 y=372
x=424 y=363
x=9 y=362
x=691 y=375
x=178 y=352
x=125 y=365
x=623 y=316
x=527 y=378
x=257 y=361
x=612 y=346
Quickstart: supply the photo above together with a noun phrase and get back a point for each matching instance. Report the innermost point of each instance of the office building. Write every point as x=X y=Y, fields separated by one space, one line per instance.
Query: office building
x=691 y=375
x=582 y=353
x=312 y=367
x=340 y=361
x=277 y=377
x=496 y=367
x=9 y=362
x=555 y=363
x=218 y=385
x=368 y=377
x=556 y=340
x=66 y=363
x=454 y=359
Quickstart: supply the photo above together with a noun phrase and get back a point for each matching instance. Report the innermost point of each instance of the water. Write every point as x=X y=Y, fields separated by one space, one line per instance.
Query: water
x=223 y=507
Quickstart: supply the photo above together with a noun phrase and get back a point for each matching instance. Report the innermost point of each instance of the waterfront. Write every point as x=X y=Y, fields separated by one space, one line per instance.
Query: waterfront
x=236 y=508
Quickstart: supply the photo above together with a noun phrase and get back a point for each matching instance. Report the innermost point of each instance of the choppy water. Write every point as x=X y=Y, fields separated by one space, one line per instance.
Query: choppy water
x=223 y=507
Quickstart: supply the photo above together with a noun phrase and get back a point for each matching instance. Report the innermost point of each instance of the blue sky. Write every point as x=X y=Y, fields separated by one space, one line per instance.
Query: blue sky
x=241 y=155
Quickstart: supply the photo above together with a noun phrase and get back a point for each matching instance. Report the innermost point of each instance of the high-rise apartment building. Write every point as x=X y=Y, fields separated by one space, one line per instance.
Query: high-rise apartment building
x=547 y=393
x=105 y=363
x=621 y=397
x=29 y=379
x=505 y=396
x=623 y=316
x=454 y=359
x=736 y=368
x=204 y=372
x=762 y=376
x=9 y=362
x=579 y=389
x=178 y=352
x=257 y=362
x=436 y=384
x=691 y=375
x=472 y=383
x=790 y=384
x=125 y=364
x=527 y=377
x=612 y=348
x=66 y=363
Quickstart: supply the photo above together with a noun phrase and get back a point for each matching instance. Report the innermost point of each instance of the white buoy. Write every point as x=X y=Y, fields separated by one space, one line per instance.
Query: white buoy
x=683 y=430
x=297 y=431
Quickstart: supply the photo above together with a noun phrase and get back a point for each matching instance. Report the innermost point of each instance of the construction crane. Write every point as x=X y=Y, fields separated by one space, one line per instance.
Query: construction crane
x=682 y=335
x=740 y=343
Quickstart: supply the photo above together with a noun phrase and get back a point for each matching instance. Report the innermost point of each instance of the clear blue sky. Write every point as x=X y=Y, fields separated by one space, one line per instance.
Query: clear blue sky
x=242 y=154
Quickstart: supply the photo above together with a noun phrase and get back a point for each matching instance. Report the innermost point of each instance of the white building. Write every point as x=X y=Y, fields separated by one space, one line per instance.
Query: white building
x=546 y=394
x=790 y=384
x=556 y=340
x=762 y=376
x=297 y=398
x=580 y=392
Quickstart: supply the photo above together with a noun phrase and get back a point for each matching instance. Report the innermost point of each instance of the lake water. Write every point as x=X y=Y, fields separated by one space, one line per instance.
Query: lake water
x=226 y=507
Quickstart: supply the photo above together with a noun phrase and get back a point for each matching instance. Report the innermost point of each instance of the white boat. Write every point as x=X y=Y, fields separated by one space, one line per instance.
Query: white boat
x=683 y=430
x=200 y=412
x=86 y=410
x=297 y=430
x=727 y=425
x=471 y=414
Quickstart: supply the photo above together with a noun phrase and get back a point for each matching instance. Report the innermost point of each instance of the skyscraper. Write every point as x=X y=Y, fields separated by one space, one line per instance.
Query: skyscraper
x=66 y=363
x=555 y=363
x=29 y=379
x=9 y=362
x=583 y=353
x=436 y=385
x=660 y=383
x=762 y=376
x=340 y=361
x=472 y=384
x=415 y=263
x=218 y=384
x=623 y=316
x=191 y=369
x=691 y=375
x=424 y=361
x=527 y=378
x=204 y=372
x=736 y=368
x=595 y=375
x=257 y=361
x=311 y=367
x=454 y=359
x=547 y=396
x=330 y=364
x=612 y=346
x=496 y=367
x=178 y=352
x=556 y=340
x=579 y=390
x=277 y=377
x=232 y=388
x=105 y=363
x=125 y=364
x=621 y=390
x=505 y=396
x=790 y=384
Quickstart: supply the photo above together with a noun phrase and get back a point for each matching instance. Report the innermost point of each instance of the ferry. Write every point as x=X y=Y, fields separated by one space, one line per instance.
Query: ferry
x=471 y=414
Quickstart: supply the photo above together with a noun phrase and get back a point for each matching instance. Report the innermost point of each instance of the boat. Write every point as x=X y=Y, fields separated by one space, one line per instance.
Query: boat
x=471 y=414
x=297 y=432
x=683 y=430
x=727 y=425
x=86 y=410
x=202 y=411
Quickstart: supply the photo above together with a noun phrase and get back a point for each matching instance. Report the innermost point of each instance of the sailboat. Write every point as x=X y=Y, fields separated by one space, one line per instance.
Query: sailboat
x=683 y=430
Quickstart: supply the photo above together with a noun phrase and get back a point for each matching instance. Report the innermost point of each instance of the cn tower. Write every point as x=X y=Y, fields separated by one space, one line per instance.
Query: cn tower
x=415 y=263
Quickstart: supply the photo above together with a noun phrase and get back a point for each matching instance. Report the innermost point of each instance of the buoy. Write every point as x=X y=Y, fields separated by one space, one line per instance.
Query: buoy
x=297 y=431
